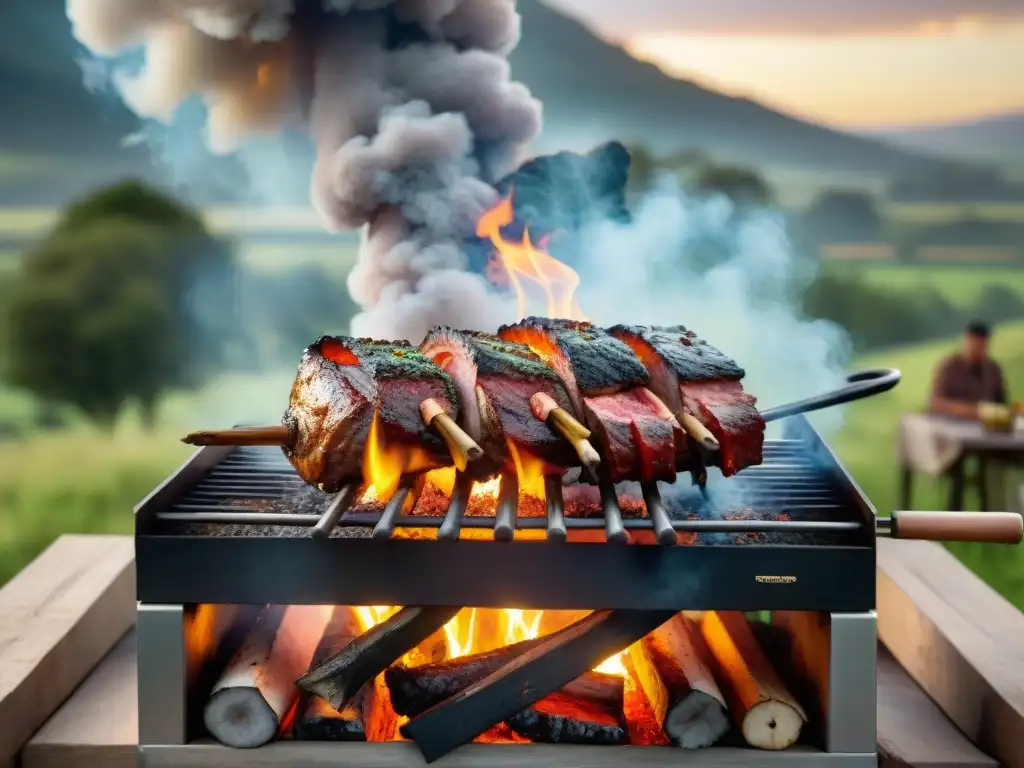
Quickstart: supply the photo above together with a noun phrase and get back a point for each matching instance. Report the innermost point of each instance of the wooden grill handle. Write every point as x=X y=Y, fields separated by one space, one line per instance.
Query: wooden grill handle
x=982 y=527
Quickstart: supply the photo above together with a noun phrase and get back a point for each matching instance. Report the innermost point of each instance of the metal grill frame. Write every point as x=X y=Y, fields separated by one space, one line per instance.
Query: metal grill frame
x=184 y=569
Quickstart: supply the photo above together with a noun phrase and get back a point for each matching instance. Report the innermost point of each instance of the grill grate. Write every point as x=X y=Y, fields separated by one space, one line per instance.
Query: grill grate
x=792 y=491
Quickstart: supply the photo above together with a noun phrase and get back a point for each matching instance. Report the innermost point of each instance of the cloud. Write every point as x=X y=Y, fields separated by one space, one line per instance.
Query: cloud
x=620 y=19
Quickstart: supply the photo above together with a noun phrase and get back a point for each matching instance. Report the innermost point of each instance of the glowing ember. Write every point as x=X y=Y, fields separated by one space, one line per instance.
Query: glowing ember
x=528 y=267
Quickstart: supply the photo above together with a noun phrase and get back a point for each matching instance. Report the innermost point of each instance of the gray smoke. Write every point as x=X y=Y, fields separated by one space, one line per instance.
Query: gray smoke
x=747 y=303
x=407 y=136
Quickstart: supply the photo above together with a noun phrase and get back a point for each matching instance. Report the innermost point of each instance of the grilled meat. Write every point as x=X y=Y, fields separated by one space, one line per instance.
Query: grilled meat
x=495 y=380
x=342 y=385
x=638 y=435
x=689 y=374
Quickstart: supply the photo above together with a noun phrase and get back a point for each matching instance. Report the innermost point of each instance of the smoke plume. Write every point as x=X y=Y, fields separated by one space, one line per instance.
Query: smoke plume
x=747 y=302
x=409 y=103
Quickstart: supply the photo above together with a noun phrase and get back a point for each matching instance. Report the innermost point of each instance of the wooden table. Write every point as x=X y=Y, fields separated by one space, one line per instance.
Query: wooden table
x=978 y=445
x=57 y=615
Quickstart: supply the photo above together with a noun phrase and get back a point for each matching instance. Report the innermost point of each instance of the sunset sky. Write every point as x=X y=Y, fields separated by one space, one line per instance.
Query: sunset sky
x=854 y=63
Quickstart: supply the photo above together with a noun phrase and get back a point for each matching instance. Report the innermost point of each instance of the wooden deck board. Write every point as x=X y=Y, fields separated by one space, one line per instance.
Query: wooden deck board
x=58 y=618
x=96 y=728
x=960 y=641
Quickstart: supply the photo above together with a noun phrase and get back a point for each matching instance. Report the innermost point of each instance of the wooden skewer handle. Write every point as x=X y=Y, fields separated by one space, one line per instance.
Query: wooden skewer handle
x=275 y=434
x=982 y=527
x=545 y=408
x=458 y=441
x=699 y=432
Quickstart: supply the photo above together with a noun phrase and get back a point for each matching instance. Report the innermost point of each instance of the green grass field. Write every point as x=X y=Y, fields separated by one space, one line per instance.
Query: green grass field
x=962 y=285
x=77 y=480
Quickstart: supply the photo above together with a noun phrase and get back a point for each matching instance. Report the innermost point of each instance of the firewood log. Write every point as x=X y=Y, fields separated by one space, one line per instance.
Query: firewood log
x=367 y=716
x=257 y=689
x=529 y=677
x=340 y=677
x=767 y=715
x=563 y=718
x=414 y=690
x=670 y=665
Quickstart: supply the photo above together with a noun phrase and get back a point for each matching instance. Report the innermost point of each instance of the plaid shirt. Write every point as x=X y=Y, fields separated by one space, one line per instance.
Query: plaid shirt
x=958 y=379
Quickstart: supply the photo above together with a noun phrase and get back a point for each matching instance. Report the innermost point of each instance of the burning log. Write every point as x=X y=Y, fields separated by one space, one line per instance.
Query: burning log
x=365 y=717
x=462 y=447
x=561 y=718
x=519 y=683
x=339 y=678
x=414 y=690
x=257 y=690
x=587 y=710
x=670 y=665
x=547 y=410
x=768 y=716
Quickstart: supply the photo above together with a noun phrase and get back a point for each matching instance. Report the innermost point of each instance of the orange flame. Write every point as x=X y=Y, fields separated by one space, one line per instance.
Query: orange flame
x=528 y=266
x=384 y=464
x=478 y=630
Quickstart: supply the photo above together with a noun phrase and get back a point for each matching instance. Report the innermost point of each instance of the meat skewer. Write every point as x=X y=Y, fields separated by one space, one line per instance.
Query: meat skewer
x=352 y=392
x=701 y=386
x=606 y=383
x=656 y=400
x=497 y=383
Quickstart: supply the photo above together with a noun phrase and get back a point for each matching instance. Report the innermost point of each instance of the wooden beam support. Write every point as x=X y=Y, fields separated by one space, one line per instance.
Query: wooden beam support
x=958 y=639
x=58 y=618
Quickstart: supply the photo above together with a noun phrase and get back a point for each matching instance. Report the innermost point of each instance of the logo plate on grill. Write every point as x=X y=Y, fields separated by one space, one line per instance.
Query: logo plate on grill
x=775 y=579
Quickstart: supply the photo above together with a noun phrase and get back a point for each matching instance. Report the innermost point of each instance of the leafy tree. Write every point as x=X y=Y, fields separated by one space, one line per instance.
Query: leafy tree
x=127 y=298
x=844 y=215
x=742 y=185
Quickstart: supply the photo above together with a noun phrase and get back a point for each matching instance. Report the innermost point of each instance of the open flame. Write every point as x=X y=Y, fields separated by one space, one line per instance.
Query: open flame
x=479 y=630
x=533 y=274
x=529 y=268
x=384 y=464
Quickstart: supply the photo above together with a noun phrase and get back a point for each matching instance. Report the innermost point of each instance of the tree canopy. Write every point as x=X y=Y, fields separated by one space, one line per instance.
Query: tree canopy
x=128 y=297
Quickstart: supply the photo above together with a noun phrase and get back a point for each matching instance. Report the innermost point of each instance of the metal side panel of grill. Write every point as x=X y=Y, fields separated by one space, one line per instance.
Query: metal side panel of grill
x=235 y=525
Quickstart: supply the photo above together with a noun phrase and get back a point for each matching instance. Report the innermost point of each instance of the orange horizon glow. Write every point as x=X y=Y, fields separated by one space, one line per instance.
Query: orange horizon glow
x=934 y=72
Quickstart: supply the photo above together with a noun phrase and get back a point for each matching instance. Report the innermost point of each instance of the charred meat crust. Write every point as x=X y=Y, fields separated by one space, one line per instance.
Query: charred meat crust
x=600 y=363
x=507 y=375
x=689 y=356
x=340 y=384
x=495 y=356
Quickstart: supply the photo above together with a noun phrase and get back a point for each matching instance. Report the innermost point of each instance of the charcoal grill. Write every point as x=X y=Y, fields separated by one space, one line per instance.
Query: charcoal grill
x=233 y=526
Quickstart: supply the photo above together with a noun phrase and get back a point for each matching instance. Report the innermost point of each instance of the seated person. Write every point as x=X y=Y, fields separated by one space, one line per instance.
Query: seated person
x=968 y=377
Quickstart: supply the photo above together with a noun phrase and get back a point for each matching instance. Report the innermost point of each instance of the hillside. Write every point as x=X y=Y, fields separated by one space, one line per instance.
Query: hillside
x=592 y=91
x=999 y=139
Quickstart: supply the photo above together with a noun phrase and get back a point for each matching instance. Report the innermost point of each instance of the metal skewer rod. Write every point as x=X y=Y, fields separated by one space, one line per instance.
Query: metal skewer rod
x=508 y=505
x=555 y=508
x=663 y=530
x=385 y=527
x=339 y=504
x=457 y=504
x=613 y=530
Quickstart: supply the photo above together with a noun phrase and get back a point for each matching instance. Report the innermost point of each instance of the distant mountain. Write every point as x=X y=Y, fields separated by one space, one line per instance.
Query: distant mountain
x=592 y=91
x=998 y=139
